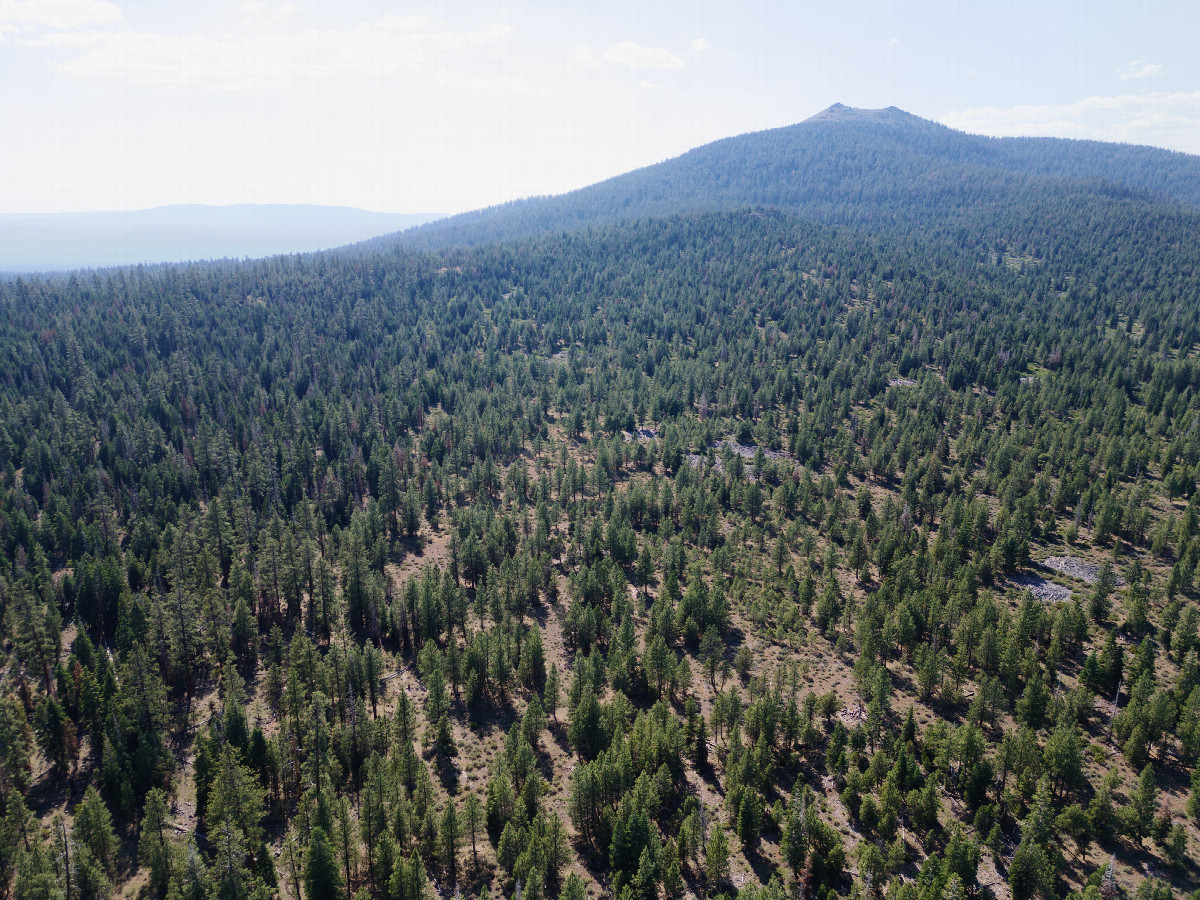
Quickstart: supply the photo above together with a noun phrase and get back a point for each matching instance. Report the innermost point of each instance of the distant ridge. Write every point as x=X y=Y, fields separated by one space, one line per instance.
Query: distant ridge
x=863 y=167
x=50 y=242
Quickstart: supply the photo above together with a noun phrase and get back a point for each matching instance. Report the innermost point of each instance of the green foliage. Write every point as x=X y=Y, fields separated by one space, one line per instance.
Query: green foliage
x=714 y=505
x=154 y=844
x=322 y=880
x=1031 y=872
x=93 y=830
x=716 y=859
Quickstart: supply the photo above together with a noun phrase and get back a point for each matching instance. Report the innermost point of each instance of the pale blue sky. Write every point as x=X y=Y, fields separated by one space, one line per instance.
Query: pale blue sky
x=446 y=106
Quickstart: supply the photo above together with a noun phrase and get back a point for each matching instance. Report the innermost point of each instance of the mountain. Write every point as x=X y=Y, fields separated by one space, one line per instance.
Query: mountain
x=717 y=554
x=177 y=233
x=874 y=168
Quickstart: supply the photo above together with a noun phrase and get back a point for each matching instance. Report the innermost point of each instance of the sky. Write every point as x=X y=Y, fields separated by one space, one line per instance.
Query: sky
x=448 y=106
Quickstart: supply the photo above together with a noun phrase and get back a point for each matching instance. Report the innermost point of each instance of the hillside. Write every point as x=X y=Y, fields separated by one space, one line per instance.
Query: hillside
x=719 y=554
x=874 y=168
x=43 y=243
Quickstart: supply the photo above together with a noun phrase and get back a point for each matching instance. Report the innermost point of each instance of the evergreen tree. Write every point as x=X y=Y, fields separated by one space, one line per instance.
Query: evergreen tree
x=154 y=845
x=321 y=878
x=93 y=829
x=716 y=859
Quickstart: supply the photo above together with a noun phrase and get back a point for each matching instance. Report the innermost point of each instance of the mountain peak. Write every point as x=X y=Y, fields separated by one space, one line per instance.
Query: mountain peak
x=839 y=112
x=844 y=165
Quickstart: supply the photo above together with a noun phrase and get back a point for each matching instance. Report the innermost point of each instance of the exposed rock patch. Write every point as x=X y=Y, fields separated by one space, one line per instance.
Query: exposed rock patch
x=747 y=451
x=643 y=435
x=1046 y=591
x=1076 y=568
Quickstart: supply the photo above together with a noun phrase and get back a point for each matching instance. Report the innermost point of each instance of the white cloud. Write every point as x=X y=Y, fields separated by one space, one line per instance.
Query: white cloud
x=1160 y=119
x=387 y=46
x=635 y=56
x=58 y=15
x=699 y=45
x=1139 y=69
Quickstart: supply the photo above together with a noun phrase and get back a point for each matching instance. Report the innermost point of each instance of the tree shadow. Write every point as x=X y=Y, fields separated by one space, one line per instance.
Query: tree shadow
x=447 y=772
x=53 y=790
x=708 y=774
x=484 y=718
x=558 y=733
x=759 y=863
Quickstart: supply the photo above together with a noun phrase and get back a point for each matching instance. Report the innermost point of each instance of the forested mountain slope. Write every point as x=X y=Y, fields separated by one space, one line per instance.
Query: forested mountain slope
x=873 y=168
x=715 y=554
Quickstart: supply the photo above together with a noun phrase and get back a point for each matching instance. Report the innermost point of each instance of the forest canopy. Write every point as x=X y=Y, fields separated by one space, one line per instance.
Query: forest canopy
x=720 y=553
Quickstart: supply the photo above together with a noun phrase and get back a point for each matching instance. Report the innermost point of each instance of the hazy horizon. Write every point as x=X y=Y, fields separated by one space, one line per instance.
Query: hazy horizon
x=183 y=206
x=49 y=242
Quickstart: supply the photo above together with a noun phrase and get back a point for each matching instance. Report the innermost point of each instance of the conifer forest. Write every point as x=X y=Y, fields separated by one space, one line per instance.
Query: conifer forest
x=750 y=543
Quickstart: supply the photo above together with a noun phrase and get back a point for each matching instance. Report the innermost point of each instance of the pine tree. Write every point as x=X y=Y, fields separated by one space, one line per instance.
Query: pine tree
x=1063 y=757
x=93 y=829
x=1143 y=802
x=154 y=845
x=56 y=735
x=1031 y=873
x=236 y=796
x=552 y=694
x=229 y=870
x=585 y=729
x=794 y=845
x=716 y=858
x=35 y=627
x=449 y=835
x=182 y=618
x=1175 y=846
x=473 y=822
x=1100 y=599
x=346 y=841
x=35 y=876
x=749 y=821
x=194 y=880
x=712 y=650
x=15 y=740
x=321 y=878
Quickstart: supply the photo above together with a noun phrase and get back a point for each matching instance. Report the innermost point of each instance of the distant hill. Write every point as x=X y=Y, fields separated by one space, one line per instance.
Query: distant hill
x=30 y=243
x=849 y=166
